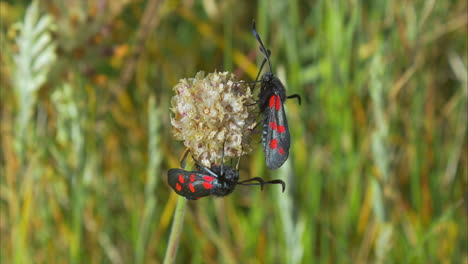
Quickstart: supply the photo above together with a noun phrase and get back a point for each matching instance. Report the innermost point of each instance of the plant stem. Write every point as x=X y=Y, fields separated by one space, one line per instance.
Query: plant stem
x=153 y=167
x=174 y=237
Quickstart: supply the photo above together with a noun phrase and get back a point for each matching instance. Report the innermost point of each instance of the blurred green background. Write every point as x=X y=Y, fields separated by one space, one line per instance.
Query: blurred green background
x=378 y=164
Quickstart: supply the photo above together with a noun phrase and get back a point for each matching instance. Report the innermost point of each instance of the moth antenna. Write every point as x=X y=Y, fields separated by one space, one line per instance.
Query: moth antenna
x=259 y=72
x=277 y=181
x=261 y=182
x=262 y=47
x=263 y=64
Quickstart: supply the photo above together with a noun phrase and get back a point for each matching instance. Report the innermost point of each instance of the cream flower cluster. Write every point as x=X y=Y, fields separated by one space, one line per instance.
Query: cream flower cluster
x=211 y=111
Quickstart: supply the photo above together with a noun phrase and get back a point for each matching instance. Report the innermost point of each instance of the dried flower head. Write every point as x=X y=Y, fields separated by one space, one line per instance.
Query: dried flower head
x=211 y=111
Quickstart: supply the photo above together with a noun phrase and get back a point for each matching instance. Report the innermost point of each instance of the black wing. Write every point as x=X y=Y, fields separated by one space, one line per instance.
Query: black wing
x=189 y=184
x=276 y=138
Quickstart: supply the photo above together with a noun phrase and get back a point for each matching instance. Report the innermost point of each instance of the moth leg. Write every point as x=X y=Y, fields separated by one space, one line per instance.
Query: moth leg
x=204 y=168
x=256 y=102
x=183 y=158
x=295 y=96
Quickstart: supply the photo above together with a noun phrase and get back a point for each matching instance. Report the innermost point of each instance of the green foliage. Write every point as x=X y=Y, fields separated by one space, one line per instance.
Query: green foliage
x=378 y=165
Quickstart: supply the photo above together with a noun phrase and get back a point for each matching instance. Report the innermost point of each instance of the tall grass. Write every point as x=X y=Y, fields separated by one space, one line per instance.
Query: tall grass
x=378 y=164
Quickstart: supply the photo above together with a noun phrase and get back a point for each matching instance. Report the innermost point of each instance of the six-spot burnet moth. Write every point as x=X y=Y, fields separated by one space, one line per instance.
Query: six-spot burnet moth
x=219 y=180
x=276 y=139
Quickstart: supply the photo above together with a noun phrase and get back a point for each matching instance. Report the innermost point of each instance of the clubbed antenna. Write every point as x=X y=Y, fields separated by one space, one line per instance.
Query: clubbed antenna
x=262 y=48
x=261 y=182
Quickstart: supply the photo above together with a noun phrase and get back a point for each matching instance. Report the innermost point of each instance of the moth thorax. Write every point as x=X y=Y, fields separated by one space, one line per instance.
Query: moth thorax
x=229 y=174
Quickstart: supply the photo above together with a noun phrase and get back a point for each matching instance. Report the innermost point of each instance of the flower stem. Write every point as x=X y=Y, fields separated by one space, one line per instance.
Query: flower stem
x=174 y=237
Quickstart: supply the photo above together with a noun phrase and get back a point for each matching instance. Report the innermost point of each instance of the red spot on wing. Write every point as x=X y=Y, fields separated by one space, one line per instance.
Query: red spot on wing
x=192 y=177
x=207 y=185
x=192 y=189
x=273 y=125
x=208 y=178
x=273 y=143
x=281 y=151
x=178 y=187
x=181 y=178
x=278 y=103
x=272 y=101
x=281 y=129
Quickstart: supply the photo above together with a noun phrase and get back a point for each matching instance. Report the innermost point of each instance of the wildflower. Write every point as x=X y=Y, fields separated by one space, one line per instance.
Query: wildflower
x=213 y=111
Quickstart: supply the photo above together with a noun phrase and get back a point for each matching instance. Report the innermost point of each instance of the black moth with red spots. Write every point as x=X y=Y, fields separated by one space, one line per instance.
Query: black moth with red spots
x=196 y=184
x=276 y=139
x=217 y=181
